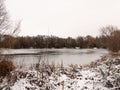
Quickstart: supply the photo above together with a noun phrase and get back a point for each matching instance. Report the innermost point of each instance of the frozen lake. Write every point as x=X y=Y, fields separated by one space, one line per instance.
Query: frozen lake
x=28 y=57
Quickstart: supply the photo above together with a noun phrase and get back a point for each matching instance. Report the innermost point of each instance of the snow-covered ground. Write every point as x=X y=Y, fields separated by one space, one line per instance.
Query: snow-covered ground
x=103 y=74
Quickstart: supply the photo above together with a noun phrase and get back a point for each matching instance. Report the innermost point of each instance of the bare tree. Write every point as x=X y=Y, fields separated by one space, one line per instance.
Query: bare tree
x=4 y=19
x=4 y=22
x=112 y=35
x=7 y=28
x=106 y=31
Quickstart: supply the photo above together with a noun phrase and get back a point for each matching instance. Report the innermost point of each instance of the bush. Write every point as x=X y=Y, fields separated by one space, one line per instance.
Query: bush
x=6 y=67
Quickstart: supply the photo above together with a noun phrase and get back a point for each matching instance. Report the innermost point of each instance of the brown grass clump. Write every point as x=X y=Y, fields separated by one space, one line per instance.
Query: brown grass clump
x=115 y=54
x=6 y=67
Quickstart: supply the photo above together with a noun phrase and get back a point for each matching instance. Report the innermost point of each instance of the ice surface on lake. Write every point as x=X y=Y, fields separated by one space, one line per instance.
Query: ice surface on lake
x=28 y=57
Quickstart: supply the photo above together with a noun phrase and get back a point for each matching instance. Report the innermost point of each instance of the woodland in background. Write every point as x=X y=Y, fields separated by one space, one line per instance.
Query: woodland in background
x=40 y=41
x=109 y=39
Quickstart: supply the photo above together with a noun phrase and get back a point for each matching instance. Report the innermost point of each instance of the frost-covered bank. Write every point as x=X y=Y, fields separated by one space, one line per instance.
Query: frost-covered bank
x=103 y=74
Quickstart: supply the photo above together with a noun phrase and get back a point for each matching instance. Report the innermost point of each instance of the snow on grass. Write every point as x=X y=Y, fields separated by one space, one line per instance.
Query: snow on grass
x=23 y=84
x=100 y=75
x=86 y=80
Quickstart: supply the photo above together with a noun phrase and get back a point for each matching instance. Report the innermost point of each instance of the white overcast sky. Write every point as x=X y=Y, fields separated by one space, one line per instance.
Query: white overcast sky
x=64 y=17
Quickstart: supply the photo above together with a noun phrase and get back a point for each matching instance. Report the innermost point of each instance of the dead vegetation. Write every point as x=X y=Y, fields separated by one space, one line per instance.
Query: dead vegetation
x=46 y=76
x=6 y=67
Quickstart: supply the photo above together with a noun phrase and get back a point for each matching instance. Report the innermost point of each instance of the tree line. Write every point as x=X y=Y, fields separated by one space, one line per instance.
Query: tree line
x=109 y=39
x=40 y=41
